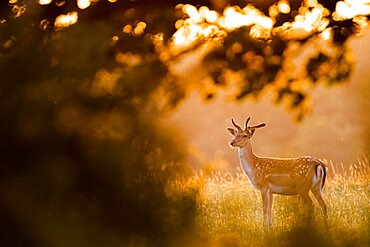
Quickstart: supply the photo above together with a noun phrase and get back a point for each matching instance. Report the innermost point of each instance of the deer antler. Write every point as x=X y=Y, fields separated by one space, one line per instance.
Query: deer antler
x=257 y=126
x=253 y=127
x=236 y=126
x=246 y=122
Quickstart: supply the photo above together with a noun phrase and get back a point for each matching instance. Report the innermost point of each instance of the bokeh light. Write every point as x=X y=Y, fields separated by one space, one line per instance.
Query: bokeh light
x=83 y=4
x=45 y=2
x=63 y=21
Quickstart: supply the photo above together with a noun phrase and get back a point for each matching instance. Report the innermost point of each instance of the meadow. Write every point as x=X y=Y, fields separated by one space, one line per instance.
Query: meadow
x=229 y=211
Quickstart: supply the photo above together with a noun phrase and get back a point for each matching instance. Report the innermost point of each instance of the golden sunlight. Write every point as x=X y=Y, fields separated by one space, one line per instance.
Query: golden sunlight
x=348 y=9
x=193 y=13
x=83 y=4
x=305 y=23
x=326 y=34
x=127 y=28
x=211 y=16
x=273 y=10
x=63 y=21
x=186 y=35
x=45 y=2
x=203 y=23
x=139 y=29
x=284 y=6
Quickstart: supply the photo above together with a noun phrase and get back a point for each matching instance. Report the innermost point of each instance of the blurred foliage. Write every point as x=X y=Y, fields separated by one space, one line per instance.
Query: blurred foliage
x=85 y=158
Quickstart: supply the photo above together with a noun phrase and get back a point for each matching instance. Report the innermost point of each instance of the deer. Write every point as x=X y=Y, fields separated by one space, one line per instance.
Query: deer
x=283 y=176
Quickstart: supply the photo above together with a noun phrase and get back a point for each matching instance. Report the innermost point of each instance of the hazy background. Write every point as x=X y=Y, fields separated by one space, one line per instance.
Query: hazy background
x=336 y=129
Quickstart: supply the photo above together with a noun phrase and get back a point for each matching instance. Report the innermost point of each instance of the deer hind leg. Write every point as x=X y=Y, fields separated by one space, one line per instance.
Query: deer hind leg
x=308 y=201
x=317 y=192
x=267 y=198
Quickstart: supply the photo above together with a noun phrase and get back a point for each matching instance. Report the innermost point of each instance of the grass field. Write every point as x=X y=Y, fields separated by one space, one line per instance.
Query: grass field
x=230 y=211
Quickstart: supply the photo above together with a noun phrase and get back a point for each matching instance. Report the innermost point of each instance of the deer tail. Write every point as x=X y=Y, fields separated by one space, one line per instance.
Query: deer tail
x=321 y=171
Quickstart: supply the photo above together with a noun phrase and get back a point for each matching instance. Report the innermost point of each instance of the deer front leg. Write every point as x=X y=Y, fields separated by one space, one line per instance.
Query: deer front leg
x=267 y=207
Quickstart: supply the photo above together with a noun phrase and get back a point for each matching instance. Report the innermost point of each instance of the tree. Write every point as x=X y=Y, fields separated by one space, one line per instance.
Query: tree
x=84 y=158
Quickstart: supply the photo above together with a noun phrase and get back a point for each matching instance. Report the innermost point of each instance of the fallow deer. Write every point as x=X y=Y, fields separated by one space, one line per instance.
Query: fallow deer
x=295 y=176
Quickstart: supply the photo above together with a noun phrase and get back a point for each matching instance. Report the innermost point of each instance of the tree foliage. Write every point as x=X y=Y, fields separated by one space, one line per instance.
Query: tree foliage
x=85 y=160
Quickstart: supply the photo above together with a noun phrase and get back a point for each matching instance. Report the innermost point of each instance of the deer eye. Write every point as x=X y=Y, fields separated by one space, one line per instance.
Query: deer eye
x=244 y=136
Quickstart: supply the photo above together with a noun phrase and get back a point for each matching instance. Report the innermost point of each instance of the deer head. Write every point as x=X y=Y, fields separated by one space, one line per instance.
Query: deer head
x=242 y=136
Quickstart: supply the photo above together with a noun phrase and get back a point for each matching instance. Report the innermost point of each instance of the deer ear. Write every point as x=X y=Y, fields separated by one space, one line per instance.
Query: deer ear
x=231 y=131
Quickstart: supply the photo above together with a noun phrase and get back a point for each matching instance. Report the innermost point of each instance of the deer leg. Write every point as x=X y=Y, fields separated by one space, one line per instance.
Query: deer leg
x=316 y=191
x=267 y=207
x=308 y=201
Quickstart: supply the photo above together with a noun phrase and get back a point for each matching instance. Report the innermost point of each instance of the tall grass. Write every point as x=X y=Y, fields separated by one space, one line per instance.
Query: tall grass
x=230 y=211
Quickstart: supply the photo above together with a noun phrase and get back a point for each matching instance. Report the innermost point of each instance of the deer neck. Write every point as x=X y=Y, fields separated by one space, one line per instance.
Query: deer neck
x=247 y=160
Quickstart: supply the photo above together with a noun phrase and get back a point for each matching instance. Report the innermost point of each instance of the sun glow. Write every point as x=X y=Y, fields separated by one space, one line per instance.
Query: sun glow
x=203 y=24
x=348 y=9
